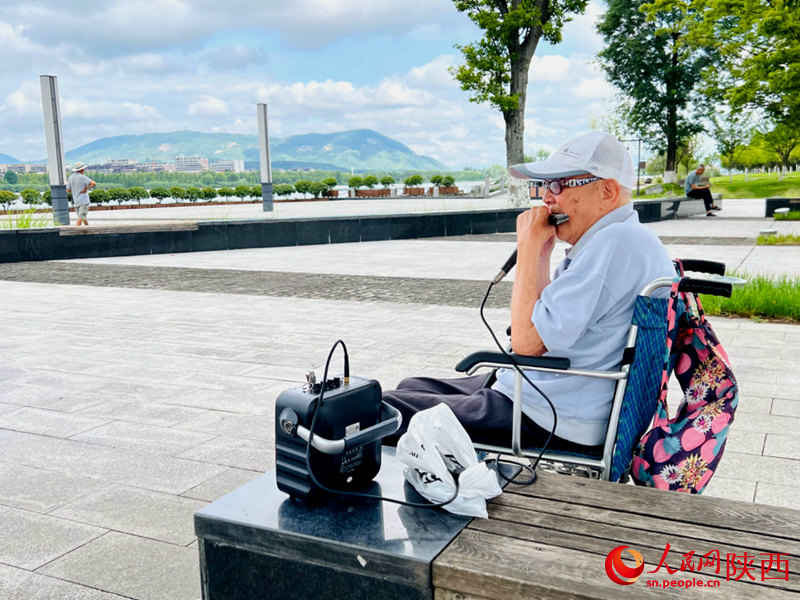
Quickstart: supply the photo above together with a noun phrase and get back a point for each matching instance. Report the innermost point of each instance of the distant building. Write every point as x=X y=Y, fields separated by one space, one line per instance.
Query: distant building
x=237 y=166
x=190 y=164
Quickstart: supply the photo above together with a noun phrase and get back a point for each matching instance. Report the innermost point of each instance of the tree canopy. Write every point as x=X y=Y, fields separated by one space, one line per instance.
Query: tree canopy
x=497 y=65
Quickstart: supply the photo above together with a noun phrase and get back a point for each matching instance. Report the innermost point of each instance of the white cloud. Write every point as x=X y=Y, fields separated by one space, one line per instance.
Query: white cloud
x=552 y=67
x=208 y=106
x=593 y=88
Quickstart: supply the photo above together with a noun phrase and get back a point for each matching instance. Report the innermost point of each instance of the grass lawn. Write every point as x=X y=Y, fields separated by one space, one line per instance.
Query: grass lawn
x=762 y=297
x=758 y=185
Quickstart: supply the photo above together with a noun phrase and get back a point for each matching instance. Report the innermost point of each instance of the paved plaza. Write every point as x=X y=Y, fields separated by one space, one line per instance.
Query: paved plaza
x=138 y=389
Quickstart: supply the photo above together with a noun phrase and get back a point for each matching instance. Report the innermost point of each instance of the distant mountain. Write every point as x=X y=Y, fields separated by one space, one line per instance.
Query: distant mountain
x=8 y=160
x=360 y=150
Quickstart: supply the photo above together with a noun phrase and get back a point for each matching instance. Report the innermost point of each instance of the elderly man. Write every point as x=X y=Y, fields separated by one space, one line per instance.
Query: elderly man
x=583 y=314
x=694 y=189
x=79 y=184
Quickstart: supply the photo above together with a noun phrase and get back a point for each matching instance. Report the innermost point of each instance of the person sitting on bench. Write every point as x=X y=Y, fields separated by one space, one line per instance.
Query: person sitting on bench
x=694 y=189
x=583 y=314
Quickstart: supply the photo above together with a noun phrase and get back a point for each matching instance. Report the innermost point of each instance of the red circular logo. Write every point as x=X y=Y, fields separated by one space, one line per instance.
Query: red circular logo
x=615 y=565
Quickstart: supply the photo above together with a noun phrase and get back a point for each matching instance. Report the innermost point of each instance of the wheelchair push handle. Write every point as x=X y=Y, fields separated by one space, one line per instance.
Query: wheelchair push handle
x=703 y=266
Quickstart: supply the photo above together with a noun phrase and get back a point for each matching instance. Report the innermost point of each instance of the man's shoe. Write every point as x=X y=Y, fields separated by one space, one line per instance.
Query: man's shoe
x=710 y=214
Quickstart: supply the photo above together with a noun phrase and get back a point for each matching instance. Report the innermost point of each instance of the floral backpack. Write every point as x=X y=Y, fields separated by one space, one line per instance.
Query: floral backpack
x=682 y=453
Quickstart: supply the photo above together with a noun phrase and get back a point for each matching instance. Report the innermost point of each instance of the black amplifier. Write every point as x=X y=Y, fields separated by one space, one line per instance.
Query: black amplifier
x=345 y=452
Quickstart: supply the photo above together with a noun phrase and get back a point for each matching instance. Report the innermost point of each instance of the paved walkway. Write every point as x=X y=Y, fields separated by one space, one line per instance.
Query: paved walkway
x=137 y=389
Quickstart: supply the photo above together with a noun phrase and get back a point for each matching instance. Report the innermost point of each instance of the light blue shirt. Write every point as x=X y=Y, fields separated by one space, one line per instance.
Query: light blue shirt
x=691 y=178
x=585 y=314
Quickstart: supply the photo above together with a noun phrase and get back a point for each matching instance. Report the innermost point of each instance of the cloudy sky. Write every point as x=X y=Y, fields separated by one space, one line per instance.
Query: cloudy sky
x=142 y=66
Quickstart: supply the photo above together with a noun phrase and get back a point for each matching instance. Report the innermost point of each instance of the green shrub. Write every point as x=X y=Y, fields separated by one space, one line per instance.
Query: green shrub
x=226 y=192
x=283 y=189
x=176 y=192
x=413 y=180
x=97 y=196
x=387 y=181
x=7 y=197
x=370 y=181
x=303 y=186
x=355 y=182
x=330 y=182
x=137 y=193
x=242 y=191
x=209 y=193
x=437 y=180
x=448 y=181
x=159 y=193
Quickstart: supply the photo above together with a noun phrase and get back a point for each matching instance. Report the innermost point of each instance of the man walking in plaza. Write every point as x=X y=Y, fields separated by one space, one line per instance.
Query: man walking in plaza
x=694 y=189
x=79 y=185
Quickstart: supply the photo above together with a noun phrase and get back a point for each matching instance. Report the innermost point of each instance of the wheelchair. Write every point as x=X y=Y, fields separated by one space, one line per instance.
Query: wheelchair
x=638 y=381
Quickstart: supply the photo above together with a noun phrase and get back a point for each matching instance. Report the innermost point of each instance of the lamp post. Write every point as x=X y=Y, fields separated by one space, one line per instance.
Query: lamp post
x=266 y=167
x=55 y=148
x=638 y=161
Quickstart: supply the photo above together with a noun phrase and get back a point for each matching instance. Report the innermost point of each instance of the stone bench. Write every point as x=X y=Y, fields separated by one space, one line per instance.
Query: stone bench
x=257 y=543
x=662 y=209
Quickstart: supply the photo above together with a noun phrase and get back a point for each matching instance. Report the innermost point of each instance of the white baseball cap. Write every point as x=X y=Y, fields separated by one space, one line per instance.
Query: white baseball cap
x=598 y=153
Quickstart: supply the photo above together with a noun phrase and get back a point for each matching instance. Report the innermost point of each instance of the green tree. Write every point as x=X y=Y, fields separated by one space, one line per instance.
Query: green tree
x=31 y=196
x=6 y=197
x=303 y=187
x=760 y=46
x=731 y=131
x=255 y=191
x=47 y=197
x=137 y=193
x=387 y=180
x=448 y=181
x=11 y=178
x=119 y=194
x=497 y=66
x=283 y=189
x=370 y=181
x=413 y=180
x=317 y=187
x=159 y=193
x=209 y=193
x=226 y=192
x=437 y=180
x=782 y=140
x=647 y=58
x=330 y=182
x=177 y=192
x=355 y=182
x=194 y=193
x=243 y=191
x=98 y=196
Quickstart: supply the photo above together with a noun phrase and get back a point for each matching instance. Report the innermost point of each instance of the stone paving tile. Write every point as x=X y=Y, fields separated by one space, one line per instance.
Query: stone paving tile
x=782 y=446
x=132 y=566
x=145 y=470
x=778 y=495
x=754 y=404
x=144 y=412
x=41 y=490
x=19 y=584
x=255 y=455
x=145 y=438
x=222 y=484
x=747 y=442
x=786 y=408
x=31 y=540
x=126 y=509
x=761 y=469
x=731 y=489
x=47 y=422
x=241 y=426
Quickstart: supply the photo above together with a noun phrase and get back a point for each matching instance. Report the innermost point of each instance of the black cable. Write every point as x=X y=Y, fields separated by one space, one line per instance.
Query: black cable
x=318 y=409
x=497 y=460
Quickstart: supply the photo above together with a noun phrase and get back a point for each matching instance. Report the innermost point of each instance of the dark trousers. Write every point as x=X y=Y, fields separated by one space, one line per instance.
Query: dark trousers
x=485 y=413
x=704 y=195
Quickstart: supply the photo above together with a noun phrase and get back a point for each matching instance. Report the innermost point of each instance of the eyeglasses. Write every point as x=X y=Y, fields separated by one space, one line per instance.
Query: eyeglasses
x=557 y=185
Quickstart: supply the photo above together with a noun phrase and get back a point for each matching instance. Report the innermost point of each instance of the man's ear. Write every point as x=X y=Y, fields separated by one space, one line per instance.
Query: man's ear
x=611 y=189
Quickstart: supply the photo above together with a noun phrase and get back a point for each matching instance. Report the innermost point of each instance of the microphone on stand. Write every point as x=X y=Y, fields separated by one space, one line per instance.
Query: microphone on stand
x=555 y=220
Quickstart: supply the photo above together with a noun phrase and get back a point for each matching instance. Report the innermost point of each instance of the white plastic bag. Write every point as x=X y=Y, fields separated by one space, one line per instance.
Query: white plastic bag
x=433 y=448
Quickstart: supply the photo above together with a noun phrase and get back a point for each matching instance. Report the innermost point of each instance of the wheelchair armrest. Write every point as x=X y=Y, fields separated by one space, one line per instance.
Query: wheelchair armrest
x=488 y=356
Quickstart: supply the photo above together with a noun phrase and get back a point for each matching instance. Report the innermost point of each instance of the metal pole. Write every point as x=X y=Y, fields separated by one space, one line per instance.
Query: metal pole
x=266 y=167
x=638 y=167
x=55 y=148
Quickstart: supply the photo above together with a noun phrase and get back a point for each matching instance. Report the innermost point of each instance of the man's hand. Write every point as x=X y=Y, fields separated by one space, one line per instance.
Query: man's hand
x=534 y=232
